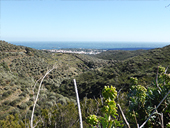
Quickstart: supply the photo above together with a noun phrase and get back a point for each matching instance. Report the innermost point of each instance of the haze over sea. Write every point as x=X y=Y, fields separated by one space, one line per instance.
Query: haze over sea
x=92 y=45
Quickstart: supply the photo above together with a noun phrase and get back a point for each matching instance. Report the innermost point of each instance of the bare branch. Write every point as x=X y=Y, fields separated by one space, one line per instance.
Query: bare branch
x=166 y=70
x=32 y=116
x=124 y=118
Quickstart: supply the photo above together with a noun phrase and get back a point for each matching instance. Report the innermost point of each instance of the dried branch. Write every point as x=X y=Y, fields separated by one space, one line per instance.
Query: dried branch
x=32 y=116
x=124 y=118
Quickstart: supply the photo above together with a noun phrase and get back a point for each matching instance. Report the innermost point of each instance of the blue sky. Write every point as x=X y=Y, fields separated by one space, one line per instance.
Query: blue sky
x=85 y=20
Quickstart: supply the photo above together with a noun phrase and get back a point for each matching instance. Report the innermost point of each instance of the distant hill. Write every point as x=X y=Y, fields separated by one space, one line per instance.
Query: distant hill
x=119 y=54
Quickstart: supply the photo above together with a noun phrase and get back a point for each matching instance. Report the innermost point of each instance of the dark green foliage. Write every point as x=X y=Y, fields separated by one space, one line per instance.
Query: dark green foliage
x=29 y=103
x=118 y=54
x=12 y=122
x=23 y=94
x=5 y=66
x=91 y=62
x=14 y=102
x=6 y=94
x=7 y=47
x=15 y=111
x=142 y=101
x=6 y=102
x=23 y=106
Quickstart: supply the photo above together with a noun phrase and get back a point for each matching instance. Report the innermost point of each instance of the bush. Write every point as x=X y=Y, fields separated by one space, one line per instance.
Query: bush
x=6 y=94
x=22 y=106
x=14 y=102
x=15 y=111
x=6 y=102
x=6 y=88
x=23 y=94
x=52 y=98
x=49 y=104
x=29 y=103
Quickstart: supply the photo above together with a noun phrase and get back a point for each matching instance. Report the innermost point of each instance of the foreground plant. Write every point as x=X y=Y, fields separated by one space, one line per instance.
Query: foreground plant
x=150 y=107
x=109 y=110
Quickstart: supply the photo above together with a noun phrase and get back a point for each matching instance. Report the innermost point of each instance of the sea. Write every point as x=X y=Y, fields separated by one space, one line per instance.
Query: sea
x=91 y=45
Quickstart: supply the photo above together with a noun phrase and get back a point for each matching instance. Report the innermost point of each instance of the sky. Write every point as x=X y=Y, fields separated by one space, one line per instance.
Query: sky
x=85 y=20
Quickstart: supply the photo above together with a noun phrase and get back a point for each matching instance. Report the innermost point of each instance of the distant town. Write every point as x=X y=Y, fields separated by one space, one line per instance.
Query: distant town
x=77 y=51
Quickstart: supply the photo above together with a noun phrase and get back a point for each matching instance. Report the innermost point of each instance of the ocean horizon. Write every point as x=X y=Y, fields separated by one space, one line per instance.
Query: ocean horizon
x=91 y=45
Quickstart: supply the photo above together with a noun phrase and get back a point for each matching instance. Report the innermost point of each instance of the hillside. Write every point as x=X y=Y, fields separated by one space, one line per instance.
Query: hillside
x=21 y=67
x=143 y=66
x=119 y=54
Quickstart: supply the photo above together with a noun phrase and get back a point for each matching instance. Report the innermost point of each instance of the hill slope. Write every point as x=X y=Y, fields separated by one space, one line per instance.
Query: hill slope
x=21 y=67
x=119 y=54
x=143 y=67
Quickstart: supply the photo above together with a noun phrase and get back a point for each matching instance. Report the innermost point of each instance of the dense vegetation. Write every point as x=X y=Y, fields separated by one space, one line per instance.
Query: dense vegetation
x=21 y=67
x=119 y=54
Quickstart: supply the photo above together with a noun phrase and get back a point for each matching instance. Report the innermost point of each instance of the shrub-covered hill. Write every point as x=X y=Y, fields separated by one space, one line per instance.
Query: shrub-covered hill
x=7 y=47
x=143 y=66
x=118 y=54
x=21 y=67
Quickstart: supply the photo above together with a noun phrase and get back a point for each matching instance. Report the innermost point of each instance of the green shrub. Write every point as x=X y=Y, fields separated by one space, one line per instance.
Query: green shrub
x=15 y=111
x=23 y=94
x=6 y=94
x=14 y=102
x=29 y=103
x=6 y=88
x=6 y=102
x=49 y=104
x=23 y=106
